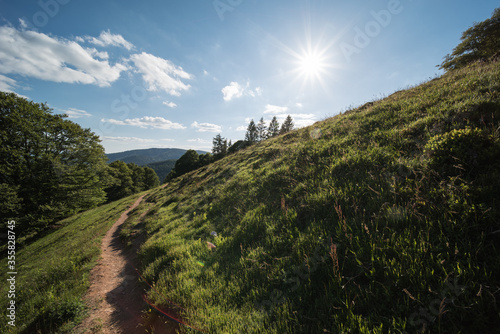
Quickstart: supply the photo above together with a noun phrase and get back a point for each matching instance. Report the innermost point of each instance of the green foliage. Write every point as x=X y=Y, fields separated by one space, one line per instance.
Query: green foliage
x=127 y=179
x=480 y=42
x=50 y=167
x=252 y=134
x=287 y=125
x=274 y=128
x=191 y=161
x=220 y=147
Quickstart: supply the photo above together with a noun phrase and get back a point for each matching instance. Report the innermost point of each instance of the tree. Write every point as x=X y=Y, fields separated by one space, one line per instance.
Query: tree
x=122 y=184
x=287 y=125
x=481 y=41
x=219 y=149
x=252 y=135
x=274 y=128
x=49 y=166
x=137 y=177
x=261 y=130
x=188 y=162
x=151 y=179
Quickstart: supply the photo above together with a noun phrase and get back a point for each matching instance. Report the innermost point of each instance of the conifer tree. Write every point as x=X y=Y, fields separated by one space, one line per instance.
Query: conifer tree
x=219 y=149
x=287 y=125
x=252 y=134
x=262 y=130
x=274 y=128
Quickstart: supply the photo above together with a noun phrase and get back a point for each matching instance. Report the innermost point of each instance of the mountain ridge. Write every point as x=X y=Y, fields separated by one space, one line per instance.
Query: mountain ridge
x=142 y=157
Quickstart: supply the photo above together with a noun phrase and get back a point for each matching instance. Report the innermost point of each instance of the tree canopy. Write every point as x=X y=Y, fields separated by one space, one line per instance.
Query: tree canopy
x=50 y=167
x=479 y=42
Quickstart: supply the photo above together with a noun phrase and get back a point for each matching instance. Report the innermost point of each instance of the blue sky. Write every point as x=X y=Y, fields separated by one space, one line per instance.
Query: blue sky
x=171 y=73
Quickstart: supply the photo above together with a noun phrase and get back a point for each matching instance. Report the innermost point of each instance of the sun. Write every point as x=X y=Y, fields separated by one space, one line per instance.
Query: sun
x=311 y=65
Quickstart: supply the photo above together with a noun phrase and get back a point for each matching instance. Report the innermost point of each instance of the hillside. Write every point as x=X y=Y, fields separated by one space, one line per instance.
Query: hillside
x=148 y=156
x=385 y=218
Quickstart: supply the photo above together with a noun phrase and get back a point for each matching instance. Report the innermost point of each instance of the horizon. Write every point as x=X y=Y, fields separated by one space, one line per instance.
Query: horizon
x=174 y=75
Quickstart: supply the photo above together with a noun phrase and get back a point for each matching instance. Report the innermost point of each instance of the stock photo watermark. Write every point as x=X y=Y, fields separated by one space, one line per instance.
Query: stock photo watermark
x=11 y=272
x=48 y=10
x=364 y=35
x=224 y=6
x=122 y=107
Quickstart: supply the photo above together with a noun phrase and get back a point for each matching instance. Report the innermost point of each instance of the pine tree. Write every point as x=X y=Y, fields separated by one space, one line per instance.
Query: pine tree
x=287 y=125
x=219 y=149
x=262 y=130
x=274 y=128
x=252 y=135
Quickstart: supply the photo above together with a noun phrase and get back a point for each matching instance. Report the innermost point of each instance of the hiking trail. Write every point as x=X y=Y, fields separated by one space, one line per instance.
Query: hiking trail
x=114 y=297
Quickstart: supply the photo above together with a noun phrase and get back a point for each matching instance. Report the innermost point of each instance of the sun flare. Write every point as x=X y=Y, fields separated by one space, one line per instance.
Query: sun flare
x=311 y=65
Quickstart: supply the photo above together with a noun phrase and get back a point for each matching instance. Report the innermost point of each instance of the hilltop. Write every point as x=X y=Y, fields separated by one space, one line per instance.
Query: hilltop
x=382 y=219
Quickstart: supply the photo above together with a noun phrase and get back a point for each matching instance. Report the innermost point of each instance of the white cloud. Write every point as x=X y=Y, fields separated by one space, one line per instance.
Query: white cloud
x=256 y=92
x=170 y=104
x=133 y=139
x=206 y=127
x=100 y=54
x=299 y=105
x=7 y=84
x=199 y=140
x=106 y=38
x=161 y=74
x=234 y=90
x=147 y=122
x=242 y=128
x=33 y=54
x=205 y=72
x=302 y=120
x=272 y=109
x=76 y=113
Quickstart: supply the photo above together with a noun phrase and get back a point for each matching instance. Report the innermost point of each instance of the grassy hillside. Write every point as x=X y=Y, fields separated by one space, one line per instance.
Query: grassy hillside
x=382 y=219
x=53 y=272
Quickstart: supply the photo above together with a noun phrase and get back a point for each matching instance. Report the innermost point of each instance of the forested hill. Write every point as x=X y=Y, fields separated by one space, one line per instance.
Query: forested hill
x=147 y=156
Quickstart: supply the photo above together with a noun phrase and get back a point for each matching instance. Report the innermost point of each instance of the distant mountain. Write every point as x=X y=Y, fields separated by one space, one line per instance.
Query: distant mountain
x=148 y=156
x=162 y=168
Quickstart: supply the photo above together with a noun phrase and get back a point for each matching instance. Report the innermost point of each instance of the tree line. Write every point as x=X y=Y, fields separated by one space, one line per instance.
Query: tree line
x=256 y=133
x=51 y=168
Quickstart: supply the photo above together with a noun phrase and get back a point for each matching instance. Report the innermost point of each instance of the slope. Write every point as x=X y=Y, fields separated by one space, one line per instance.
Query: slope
x=384 y=218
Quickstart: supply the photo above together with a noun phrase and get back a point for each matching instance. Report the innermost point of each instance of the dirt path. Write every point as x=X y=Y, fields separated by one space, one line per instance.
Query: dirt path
x=115 y=292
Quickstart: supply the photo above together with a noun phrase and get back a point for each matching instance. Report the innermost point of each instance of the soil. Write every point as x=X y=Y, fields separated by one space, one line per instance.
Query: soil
x=115 y=295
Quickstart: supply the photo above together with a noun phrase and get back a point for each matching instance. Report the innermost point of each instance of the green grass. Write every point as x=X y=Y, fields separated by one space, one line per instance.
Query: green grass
x=53 y=272
x=378 y=220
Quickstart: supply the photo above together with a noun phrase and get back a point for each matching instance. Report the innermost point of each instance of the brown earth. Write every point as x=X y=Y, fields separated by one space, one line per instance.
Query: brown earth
x=115 y=295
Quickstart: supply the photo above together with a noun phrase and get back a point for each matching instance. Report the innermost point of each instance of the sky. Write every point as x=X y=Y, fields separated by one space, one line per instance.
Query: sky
x=175 y=73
